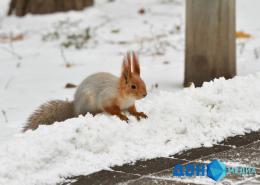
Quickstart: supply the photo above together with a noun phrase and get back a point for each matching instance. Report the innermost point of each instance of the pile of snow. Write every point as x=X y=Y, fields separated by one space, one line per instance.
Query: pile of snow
x=181 y=120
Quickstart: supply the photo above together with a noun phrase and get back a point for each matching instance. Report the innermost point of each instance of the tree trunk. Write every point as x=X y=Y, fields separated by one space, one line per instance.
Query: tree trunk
x=22 y=7
x=210 y=40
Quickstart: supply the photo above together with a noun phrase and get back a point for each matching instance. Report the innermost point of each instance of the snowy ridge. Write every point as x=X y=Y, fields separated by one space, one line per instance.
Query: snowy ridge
x=185 y=119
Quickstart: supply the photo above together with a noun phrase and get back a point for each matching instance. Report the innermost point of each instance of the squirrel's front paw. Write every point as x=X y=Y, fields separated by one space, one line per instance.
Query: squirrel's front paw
x=124 y=118
x=140 y=115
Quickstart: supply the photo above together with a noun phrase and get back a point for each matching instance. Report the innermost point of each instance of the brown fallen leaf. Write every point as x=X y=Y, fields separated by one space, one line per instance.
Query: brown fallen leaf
x=141 y=11
x=69 y=65
x=11 y=38
x=70 y=85
x=243 y=35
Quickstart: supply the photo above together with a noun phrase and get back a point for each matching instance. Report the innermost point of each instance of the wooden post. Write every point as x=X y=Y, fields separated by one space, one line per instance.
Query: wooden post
x=210 y=40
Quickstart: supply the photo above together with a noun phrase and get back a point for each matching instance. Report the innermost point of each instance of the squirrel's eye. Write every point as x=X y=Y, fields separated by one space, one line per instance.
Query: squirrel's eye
x=133 y=86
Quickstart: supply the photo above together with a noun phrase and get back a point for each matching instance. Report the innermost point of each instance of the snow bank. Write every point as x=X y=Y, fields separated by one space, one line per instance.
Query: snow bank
x=189 y=118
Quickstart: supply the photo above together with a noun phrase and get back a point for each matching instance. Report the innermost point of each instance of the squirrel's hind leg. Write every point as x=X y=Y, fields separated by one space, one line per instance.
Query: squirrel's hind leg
x=115 y=111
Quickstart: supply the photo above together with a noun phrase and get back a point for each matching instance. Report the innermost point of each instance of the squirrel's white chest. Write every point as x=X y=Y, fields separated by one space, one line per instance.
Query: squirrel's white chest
x=126 y=103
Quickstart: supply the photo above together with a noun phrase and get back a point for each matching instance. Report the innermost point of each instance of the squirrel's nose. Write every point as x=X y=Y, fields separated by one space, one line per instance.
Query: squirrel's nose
x=145 y=94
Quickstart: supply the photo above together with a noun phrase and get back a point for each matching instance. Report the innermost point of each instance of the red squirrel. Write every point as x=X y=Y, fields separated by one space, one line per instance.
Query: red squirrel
x=100 y=92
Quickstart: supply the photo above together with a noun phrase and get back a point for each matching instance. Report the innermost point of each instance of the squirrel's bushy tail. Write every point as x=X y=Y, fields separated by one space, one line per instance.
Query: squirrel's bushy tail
x=50 y=112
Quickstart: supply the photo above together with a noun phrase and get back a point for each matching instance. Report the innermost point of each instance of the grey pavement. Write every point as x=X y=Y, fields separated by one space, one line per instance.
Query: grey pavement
x=242 y=150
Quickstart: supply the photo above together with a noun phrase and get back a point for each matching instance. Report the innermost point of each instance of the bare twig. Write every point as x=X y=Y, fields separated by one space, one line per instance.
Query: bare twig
x=4 y=115
x=8 y=83
x=154 y=86
x=18 y=64
x=11 y=51
x=138 y=40
x=242 y=47
x=256 y=52
x=1 y=20
x=157 y=43
x=97 y=27
x=66 y=62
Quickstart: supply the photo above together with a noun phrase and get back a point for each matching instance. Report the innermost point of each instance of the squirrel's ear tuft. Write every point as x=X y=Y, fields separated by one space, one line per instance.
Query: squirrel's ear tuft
x=126 y=68
x=136 y=66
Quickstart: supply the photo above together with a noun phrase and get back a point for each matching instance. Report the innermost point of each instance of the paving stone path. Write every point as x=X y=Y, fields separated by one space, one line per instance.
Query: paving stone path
x=238 y=150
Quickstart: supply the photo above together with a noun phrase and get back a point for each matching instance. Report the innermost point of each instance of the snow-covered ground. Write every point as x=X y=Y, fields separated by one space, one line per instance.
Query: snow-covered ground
x=33 y=71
